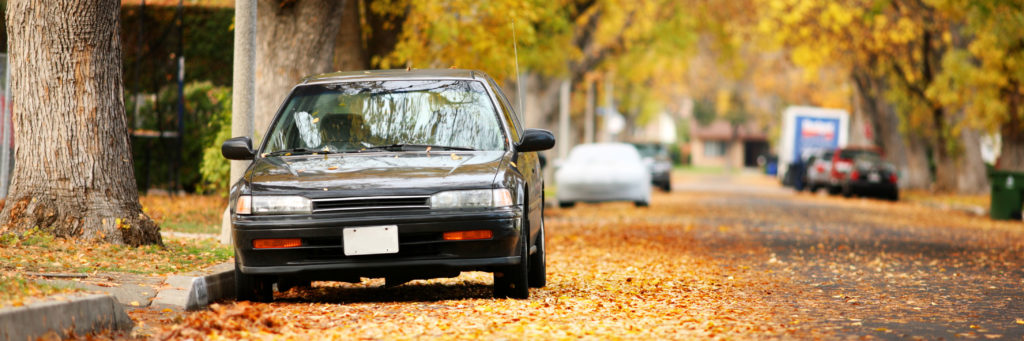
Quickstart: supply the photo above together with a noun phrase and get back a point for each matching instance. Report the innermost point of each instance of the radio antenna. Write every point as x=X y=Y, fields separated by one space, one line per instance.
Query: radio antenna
x=519 y=85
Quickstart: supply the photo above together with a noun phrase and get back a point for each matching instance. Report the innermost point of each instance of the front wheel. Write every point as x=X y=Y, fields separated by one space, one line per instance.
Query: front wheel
x=252 y=288
x=512 y=281
x=538 y=263
x=641 y=204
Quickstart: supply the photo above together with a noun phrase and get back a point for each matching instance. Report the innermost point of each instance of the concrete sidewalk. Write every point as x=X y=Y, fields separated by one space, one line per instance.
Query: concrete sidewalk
x=111 y=297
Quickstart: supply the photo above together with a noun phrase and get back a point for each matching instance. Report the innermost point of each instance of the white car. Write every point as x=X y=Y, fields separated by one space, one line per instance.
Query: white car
x=603 y=172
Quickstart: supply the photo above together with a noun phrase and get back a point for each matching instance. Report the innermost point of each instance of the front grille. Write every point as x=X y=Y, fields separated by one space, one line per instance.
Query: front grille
x=370 y=203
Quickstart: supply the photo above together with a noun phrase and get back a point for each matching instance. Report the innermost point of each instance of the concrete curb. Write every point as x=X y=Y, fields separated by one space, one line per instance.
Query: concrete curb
x=196 y=292
x=82 y=315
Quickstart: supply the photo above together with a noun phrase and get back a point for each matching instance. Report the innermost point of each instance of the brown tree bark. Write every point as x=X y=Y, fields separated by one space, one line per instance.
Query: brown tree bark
x=296 y=39
x=74 y=174
x=971 y=174
x=905 y=150
x=1011 y=155
x=349 y=53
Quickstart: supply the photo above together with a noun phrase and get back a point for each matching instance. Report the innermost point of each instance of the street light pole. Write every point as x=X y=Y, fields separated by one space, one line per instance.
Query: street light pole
x=243 y=90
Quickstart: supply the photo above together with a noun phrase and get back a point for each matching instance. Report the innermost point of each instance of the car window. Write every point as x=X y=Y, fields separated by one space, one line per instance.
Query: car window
x=511 y=118
x=595 y=155
x=851 y=154
x=350 y=116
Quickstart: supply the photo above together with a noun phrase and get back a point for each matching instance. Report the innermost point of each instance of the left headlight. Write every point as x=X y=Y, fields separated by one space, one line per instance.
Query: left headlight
x=472 y=198
x=275 y=204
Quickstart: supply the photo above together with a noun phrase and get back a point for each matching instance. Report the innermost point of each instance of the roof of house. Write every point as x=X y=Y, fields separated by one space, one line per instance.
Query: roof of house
x=722 y=130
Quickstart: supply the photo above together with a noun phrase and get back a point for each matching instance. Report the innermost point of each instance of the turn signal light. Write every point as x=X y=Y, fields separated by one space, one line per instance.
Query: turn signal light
x=468 y=235
x=276 y=243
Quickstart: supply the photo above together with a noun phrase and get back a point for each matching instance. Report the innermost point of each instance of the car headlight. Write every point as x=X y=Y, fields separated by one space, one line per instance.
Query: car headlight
x=472 y=198
x=277 y=204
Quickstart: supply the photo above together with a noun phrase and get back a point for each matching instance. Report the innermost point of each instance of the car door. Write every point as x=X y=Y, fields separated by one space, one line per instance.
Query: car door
x=528 y=164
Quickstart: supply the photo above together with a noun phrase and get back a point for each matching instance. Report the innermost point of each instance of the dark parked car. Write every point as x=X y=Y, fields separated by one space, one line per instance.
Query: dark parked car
x=658 y=162
x=861 y=171
x=396 y=174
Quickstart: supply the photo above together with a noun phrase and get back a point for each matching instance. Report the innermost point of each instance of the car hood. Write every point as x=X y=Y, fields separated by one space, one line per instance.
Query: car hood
x=405 y=173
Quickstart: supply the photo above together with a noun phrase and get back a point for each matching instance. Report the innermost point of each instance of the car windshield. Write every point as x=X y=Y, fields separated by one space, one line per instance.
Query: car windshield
x=597 y=155
x=854 y=154
x=356 y=116
x=650 y=149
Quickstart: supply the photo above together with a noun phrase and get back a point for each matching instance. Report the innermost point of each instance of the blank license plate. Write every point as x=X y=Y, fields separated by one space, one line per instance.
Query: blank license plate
x=874 y=177
x=370 y=240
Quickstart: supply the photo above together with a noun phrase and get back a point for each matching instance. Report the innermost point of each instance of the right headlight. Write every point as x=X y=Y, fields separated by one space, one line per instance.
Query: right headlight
x=273 y=204
x=472 y=198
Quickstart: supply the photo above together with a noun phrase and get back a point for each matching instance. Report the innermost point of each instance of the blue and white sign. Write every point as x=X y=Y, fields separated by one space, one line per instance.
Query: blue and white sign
x=815 y=133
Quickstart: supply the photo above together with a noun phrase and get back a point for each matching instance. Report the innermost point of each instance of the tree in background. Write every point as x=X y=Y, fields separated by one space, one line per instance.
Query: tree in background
x=74 y=175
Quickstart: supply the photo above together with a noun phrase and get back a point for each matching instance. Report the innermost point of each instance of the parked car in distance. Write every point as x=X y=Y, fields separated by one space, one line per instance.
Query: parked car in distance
x=396 y=174
x=659 y=164
x=819 y=169
x=861 y=171
x=600 y=172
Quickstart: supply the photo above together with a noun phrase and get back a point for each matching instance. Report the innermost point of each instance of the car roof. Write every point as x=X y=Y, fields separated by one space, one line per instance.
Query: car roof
x=395 y=74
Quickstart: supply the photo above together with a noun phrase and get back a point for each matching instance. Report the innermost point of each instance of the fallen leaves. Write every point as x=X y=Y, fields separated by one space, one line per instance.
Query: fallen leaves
x=692 y=266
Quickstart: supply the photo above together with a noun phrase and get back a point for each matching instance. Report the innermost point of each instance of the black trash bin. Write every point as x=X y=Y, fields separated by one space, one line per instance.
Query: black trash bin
x=1007 y=198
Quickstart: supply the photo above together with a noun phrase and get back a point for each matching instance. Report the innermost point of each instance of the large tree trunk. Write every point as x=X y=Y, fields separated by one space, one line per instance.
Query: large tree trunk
x=296 y=39
x=905 y=150
x=971 y=175
x=349 y=53
x=1011 y=155
x=74 y=174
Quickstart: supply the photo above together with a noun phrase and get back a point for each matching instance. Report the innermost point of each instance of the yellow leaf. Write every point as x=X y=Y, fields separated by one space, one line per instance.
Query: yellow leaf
x=315 y=120
x=456 y=157
x=1020 y=321
x=134 y=303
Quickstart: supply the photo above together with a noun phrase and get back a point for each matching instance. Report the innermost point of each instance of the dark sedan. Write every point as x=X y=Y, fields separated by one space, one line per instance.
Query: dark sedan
x=396 y=174
x=861 y=172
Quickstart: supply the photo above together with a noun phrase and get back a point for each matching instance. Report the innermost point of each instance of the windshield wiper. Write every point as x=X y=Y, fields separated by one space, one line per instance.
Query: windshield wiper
x=297 y=151
x=397 y=147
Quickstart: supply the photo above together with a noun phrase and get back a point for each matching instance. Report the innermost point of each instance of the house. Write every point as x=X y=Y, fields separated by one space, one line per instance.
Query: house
x=711 y=145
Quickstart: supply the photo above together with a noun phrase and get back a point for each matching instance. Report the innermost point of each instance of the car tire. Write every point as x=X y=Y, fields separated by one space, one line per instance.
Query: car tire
x=566 y=204
x=667 y=186
x=252 y=288
x=833 y=190
x=847 y=191
x=285 y=284
x=894 y=195
x=641 y=204
x=538 y=263
x=512 y=281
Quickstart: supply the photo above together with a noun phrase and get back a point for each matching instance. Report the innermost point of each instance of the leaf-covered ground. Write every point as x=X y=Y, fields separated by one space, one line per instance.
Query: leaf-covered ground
x=186 y=213
x=750 y=261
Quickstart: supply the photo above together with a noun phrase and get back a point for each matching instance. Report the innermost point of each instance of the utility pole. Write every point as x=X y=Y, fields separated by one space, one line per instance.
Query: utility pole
x=564 y=141
x=588 y=114
x=243 y=91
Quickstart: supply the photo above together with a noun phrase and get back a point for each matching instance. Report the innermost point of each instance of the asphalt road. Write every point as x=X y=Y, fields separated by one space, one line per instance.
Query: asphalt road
x=720 y=256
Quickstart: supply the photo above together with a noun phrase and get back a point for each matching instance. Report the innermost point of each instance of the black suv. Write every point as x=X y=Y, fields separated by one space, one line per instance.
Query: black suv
x=396 y=174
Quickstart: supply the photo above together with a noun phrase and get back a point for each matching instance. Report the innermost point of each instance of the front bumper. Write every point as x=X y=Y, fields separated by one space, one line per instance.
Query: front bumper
x=422 y=251
x=871 y=188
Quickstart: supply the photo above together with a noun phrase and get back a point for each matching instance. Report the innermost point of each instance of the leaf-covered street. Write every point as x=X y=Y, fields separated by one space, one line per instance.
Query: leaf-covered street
x=719 y=257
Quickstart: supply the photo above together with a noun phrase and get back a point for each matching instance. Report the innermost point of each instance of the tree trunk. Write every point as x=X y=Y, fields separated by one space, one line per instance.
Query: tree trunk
x=1011 y=155
x=296 y=39
x=905 y=150
x=971 y=175
x=74 y=174
x=349 y=53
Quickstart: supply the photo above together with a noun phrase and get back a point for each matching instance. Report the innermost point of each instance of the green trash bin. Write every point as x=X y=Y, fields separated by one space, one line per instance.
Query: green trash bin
x=1007 y=199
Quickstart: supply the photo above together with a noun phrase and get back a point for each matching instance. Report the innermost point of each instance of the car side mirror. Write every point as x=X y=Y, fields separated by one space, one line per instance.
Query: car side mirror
x=535 y=140
x=238 y=148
